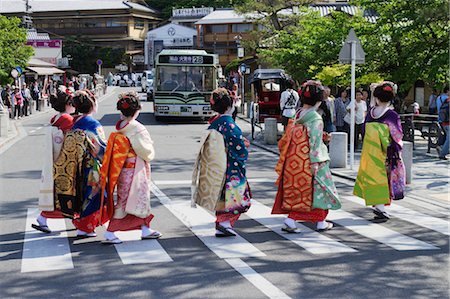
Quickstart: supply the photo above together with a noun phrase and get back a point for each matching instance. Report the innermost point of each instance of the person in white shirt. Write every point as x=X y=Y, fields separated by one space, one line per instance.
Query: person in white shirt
x=288 y=102
x=360 y=115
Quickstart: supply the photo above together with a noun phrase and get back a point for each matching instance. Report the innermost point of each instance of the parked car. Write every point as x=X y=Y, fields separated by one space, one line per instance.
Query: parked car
x=147 y=83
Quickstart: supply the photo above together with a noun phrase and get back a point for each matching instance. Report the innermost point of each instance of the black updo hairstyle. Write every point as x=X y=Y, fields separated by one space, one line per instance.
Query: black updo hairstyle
x=84 y=101
x=128 y=103
x=311 y=92
x=220 y=100
x=60 y=100
x=384 y=92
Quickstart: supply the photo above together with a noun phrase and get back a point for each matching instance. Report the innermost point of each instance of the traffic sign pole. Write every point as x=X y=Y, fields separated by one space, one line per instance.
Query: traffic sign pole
x=352 y=105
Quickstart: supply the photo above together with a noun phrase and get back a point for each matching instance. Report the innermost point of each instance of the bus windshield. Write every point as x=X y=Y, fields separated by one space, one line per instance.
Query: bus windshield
x=185 y=78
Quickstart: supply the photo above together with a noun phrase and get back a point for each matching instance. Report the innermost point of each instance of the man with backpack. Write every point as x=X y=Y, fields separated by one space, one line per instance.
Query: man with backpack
x=288 y=102
x=442 y=104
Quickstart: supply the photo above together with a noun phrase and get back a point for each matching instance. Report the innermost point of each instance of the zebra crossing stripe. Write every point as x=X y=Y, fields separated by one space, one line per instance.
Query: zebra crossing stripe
x=45 y=252
x=257 y=279
x=136 y=251
x=188 y=182
x=201 y=223
x=417 y=218
x=308 y=239
x=378 y=232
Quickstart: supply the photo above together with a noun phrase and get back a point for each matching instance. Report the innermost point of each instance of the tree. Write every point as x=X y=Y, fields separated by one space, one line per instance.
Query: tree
x=13 y=51
x=85 y=54
x=413 y=40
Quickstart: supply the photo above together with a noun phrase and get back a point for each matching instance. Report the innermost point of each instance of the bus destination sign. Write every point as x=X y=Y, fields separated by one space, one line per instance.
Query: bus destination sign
x=186 y=59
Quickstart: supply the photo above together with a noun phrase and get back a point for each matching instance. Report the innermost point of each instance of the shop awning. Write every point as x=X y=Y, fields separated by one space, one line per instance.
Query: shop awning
x=133 y=52
x=45 y=70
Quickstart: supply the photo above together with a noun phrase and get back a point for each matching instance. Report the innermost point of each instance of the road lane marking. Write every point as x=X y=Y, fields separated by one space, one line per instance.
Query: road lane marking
x=201 y=223
x=378 y=232
x=257 y=279
x=136 y=251
x=417 y=218
x=308 y=239
x=45 y=252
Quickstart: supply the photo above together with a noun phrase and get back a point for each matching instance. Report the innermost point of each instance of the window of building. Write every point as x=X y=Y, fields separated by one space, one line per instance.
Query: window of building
x=218 y=28
x=92 y=24
x=139 y=24
x=115 y=23
x=241 y=27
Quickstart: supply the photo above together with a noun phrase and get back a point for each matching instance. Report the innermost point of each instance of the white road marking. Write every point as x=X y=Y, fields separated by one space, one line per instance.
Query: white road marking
x=430 y=222
x=201 y=223
x=378 y=232
x=45 y=252
x=257 y=279
x=136 y=251
x=188 y=182
x=308 y=239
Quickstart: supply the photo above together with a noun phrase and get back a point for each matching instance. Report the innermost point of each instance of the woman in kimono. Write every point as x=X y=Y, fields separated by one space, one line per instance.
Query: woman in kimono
x=306 y=190
x=381 y=175
x=63 y=103
x=236 y=196
x=126 y=165
x=77 y=169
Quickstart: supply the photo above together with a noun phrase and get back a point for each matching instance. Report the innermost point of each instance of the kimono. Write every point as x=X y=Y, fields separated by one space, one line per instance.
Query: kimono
x=381 y=175
x=301 y=194
x=77 y=174
x=126 y=167
x=60 y=124
x=236 y=195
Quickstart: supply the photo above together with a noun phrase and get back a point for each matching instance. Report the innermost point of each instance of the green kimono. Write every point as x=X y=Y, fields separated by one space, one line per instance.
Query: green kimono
x=324 y=193
x=372 y=180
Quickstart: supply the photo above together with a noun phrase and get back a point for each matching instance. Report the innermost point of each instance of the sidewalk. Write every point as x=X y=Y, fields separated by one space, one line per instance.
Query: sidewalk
x=16 y=131
x=430 y=175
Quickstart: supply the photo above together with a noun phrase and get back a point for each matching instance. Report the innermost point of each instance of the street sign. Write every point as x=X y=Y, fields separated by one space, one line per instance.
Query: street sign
x=19 y=69
x=240 y=52
x=14 y=73
x=99 y=62
x=345 y=55
x=243 y=68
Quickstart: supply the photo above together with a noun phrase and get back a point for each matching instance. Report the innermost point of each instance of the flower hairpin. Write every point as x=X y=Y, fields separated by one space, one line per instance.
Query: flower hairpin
x=388 y=88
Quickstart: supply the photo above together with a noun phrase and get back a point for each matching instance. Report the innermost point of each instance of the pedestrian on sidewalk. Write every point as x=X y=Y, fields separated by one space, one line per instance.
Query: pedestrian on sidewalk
x=444 y=122
x=381 y=175
x=432 y=108
x=77 y=169
x=306 y=190
x=341 y=104
x=219 y=179
x=35 y=94
x=288 y=101
x=236 y=97
x=126 y=166
x=360 y=114
x=27 y=100
x=7 y=99
x=60 y=123
x=18 y=103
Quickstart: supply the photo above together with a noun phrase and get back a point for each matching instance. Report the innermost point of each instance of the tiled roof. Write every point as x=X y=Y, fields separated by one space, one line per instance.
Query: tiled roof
x=18 y=6
x=34 y=35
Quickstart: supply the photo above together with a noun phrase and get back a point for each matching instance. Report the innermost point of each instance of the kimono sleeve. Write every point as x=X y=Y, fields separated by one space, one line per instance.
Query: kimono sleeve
x=234 y=141
x=142 y=144
x=315 y=132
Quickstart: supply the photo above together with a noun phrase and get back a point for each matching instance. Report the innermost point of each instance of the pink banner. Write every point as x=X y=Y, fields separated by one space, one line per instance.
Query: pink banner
x=53 y=43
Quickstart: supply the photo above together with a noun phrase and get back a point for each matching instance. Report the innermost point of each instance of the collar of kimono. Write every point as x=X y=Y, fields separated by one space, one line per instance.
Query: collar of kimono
x=130 y=126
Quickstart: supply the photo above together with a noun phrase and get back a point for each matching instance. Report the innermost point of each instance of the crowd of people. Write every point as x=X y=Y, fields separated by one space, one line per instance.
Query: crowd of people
x=83 y=169
x=22 y=101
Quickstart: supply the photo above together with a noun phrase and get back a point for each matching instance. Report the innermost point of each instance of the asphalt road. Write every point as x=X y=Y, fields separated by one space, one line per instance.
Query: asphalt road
x=406 y=257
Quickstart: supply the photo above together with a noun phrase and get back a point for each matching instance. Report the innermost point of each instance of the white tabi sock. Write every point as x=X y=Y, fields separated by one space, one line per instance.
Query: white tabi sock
x=226 y=223
x=42 y=220
x=146 y=231
x=322 y=224
x=110 y=235
x=290 y=222
x=381 y=208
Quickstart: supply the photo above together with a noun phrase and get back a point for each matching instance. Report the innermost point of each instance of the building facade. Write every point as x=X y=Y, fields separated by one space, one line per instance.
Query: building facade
x=108 y=23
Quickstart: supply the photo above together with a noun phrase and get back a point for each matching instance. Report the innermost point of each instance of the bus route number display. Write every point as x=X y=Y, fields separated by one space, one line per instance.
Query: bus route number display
x=186 y=59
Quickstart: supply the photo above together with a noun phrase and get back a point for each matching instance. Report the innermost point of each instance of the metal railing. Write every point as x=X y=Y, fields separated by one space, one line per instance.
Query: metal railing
x=428 y=126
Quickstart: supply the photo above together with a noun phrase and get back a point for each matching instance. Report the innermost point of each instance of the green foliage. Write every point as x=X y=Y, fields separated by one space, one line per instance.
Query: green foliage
x=166 y=6
x=413 y=40
x=85 y=54
x=13 y=51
